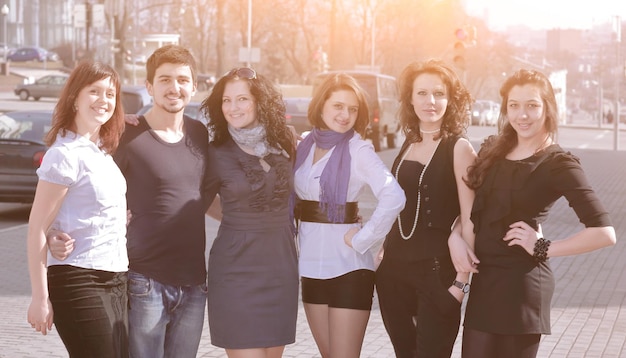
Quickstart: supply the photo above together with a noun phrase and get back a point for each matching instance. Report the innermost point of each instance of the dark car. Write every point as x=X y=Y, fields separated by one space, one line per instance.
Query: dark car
x=135 y=97
x=21 y=151
x=23 y=54
x=205 y=82
x=296 y=113
x=192 y=110
x=46 y=86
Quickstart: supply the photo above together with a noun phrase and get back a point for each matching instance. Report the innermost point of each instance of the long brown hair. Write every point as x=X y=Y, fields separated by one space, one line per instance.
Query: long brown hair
x=496 y=147
x=270 y=111
x=64 y=116
x=455 y=119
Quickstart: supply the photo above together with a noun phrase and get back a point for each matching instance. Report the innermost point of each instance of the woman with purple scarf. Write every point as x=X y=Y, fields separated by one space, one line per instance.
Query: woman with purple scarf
x=333 y=166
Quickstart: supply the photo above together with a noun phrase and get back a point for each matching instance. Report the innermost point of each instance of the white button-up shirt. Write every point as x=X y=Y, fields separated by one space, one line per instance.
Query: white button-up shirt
x=323 y=252
x=94 y=210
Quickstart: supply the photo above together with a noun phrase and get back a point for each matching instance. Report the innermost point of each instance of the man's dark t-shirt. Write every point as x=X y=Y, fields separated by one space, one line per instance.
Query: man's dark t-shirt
x=166 y=185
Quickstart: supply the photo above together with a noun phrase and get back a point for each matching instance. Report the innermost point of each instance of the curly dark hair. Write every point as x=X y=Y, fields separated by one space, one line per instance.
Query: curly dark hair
x=333 y=83
x=270 y=111
x=64 y=116
x=496 y=147
x=456 y=117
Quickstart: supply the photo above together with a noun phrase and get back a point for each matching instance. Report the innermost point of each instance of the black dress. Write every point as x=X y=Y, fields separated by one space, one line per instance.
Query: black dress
x=253 y=267
x=511 y=294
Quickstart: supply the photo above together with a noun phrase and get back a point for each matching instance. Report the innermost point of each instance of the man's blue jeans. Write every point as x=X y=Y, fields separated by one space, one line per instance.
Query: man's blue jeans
x=164 y=320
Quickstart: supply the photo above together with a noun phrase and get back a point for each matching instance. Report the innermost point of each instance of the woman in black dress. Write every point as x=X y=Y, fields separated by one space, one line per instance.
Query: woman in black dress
x=518 y=176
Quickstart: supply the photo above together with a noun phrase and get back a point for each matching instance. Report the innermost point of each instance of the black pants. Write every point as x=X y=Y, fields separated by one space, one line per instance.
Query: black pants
x=490 y=345
x=90 y=311
x=421 y=317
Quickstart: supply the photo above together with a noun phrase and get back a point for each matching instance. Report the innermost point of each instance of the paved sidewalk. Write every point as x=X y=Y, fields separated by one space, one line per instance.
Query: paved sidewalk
x=588 y=308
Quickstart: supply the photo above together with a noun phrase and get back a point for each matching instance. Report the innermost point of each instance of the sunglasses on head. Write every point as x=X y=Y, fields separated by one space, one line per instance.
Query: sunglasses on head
x=243 y=72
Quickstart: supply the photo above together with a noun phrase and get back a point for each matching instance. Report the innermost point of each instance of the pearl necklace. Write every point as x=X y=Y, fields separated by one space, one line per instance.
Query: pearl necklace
x=430 y=132
x=419 y=184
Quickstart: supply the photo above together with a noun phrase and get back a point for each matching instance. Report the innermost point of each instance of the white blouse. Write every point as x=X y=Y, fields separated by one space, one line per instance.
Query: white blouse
x=94 y=210
x=323 y=252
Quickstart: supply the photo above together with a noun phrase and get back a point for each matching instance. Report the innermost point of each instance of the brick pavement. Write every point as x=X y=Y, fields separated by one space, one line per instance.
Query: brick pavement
x=588 y=308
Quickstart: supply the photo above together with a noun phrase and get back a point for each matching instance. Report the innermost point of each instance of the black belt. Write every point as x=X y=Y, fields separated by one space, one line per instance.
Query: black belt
x=310 y=211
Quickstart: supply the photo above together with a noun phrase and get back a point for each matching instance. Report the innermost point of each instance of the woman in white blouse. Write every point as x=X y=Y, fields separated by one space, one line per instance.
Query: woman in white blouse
x=82 y=192
x=333 y=166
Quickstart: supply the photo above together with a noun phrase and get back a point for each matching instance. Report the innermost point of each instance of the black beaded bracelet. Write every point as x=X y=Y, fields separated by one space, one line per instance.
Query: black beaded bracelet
x=540 y=253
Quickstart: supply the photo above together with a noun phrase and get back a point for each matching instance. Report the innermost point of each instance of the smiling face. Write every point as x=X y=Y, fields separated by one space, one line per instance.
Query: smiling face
x=525 y=112
x=238 y=105
x=429 y=100
x=172 y=87
x=95 y=104
x=340 y=111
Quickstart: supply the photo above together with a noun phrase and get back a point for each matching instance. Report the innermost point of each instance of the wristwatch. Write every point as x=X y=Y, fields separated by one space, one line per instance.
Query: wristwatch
x=465 y=287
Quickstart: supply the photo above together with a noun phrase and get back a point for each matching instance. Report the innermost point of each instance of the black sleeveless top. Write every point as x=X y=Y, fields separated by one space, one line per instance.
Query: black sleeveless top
x=439 y=206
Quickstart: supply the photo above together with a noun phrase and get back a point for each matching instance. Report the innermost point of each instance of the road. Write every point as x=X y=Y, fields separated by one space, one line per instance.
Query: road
x=581 y=134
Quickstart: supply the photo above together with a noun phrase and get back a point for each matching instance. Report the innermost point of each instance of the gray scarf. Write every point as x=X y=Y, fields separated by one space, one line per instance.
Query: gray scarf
x=254 y=138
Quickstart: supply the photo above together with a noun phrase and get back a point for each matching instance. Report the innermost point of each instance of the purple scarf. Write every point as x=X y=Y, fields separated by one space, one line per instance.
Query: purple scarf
x=336 y=174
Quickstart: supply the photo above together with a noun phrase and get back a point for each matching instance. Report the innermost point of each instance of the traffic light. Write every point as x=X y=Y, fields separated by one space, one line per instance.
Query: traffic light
x=464 y=37
x=458 y=57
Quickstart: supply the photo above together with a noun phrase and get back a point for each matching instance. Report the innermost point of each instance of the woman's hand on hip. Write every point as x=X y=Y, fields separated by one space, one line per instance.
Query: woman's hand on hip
x=347 y=237
x=522 y=234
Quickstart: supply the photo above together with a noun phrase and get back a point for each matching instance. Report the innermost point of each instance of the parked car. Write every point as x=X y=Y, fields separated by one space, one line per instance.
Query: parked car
x=46 y=86
x=9 y=50
x=382 y=93
x=205 y=82
x=23 y=54
x=296 y=113
x=192 y=110
x=135 y=97
x=21 y=151
x=485 y=113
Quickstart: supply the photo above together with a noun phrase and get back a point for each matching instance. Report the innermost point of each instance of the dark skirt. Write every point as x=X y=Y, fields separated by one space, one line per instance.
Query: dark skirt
x=510 y=300
x=253 y=283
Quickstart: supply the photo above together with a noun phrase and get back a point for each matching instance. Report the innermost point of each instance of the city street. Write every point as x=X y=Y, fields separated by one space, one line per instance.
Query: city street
x=589 y=307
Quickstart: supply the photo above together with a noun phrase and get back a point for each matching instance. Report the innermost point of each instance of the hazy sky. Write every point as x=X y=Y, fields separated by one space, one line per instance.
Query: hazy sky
x=547 y=14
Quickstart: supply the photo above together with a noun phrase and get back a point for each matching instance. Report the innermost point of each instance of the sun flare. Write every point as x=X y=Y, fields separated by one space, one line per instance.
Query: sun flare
x=542 y=14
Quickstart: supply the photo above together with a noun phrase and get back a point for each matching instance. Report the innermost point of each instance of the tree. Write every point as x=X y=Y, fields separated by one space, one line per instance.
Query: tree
x=289 y=32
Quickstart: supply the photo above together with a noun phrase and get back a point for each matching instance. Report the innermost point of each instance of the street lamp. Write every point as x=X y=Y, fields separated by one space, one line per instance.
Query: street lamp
x=618 y=39
x=5 y=13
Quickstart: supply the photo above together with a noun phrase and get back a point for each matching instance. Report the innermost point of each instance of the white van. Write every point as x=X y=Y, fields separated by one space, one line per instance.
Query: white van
x=382 y=93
